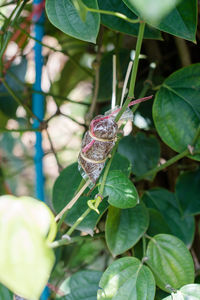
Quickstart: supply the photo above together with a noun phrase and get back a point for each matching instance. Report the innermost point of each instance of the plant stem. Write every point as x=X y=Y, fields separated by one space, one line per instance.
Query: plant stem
x=19 y=130
x=113 y=13
x=165 y=165
x=134 y=71
x=172 y=160
x=78 y=221
x=75 y=239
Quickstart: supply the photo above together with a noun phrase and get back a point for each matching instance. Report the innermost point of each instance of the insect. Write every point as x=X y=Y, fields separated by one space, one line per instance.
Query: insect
x=98 y=142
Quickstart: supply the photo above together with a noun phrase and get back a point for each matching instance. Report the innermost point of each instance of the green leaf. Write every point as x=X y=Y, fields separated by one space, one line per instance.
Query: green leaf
x=81 y=285
x=188 y=191
x=125 y=227
x=5 y=294
x=142 y=151
x=187 y=292
x=165 y=202
x=90 y=221
x=176 y=109
x=157 y=223
x=127 y=278
x=181 y=21
x=120 y=190
x=121 y=163
x=65 y=187
x=123 y=26
x=64 y=16
x=26 y=260
x=170 y=261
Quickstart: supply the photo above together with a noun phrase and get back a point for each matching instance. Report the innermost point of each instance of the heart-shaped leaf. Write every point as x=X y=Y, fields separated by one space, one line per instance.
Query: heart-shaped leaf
x=142 y=151
x=127 y=278
x=176 y=109
x=166 y=203
x=65 y=16
x=170 y=261
x=125 y=227
x=26 y=260
x=120 y=190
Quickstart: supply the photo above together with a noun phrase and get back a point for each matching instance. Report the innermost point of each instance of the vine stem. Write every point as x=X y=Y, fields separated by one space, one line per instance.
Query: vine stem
x=163 y=166
x=172 y=160
x=73 y=201
x=134 y=71
x=112 y=13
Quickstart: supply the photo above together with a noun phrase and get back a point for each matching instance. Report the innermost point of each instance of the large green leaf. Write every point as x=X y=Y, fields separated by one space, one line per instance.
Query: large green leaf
x=170 y=261
x=157 y=223
x=165 y=202
x=188 y=192
x=120 y=190
x=90 y=221
x=176 y=109
x=26 y=260
x=142 y=151
x=64 y=16
x=125 y=227
x=180 y=21
x=123 y=26
x=81 y=285
x=121 y=163
x=187 y=292
x=127 y=278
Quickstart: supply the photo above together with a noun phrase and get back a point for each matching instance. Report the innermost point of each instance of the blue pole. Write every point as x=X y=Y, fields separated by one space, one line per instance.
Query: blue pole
x=38 y=110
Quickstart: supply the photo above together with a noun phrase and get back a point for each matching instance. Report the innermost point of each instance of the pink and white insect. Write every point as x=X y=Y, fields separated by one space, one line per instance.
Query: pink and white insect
x=100 y=139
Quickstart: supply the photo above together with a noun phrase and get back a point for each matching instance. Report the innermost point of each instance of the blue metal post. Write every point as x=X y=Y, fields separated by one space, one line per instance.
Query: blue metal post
x=38 y=110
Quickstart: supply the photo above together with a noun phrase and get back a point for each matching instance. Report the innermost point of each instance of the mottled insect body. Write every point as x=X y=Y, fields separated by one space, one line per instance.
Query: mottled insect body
x=96 y=146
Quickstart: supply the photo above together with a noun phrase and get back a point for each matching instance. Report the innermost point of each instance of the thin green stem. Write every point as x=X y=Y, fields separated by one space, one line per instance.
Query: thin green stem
x=134 y=71
x=66 y=241
x=113 y=13
x=163 y=166
x=78 y=221
x=146 y=86
x=173 y=159
x=19 y=101
x=105 y=174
